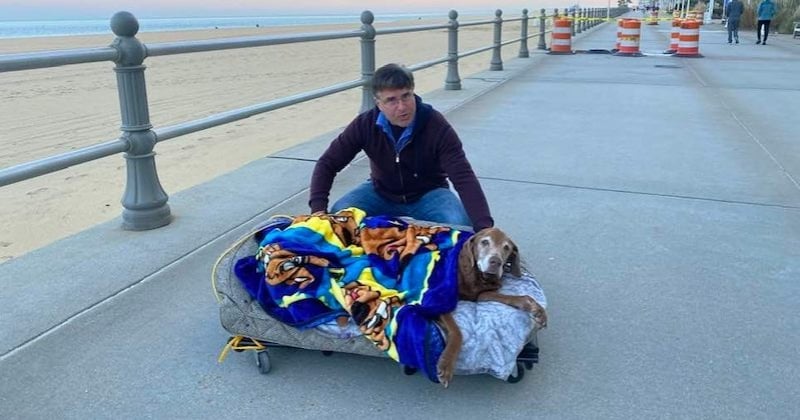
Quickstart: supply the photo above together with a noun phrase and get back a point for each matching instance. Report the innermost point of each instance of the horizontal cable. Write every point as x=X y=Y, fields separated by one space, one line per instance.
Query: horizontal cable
x=426 y=64
x=172 y=131
x=45 y=59
x=50 y=164
x=183 y=47
x=475 y=51
x=420 y=28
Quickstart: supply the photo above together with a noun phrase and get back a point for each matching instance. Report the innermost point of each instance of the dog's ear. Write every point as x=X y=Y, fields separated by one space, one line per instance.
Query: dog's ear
x=513 y=260
x=466 y=260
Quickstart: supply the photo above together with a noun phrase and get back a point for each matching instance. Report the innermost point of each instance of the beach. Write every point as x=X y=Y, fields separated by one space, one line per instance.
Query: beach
x=46 y=112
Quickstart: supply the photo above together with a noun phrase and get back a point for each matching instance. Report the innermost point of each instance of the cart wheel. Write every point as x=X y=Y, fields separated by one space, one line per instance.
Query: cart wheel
x=327 y=352
x=528 y=364
x=408 y=370
x=517 y=374
x=262 y=361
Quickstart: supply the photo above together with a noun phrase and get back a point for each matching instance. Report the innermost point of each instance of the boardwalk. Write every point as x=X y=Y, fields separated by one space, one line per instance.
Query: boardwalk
x=655 y=198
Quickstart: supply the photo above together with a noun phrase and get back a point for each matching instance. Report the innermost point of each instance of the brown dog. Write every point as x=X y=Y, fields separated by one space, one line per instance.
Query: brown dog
x=481 y=263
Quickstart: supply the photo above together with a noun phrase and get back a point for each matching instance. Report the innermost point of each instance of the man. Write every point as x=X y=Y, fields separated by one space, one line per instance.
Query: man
x=733 y=12
x=766 y=11
x=412 y=152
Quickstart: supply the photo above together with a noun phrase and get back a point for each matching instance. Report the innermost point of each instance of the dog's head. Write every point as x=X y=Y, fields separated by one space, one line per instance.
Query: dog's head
x=491 y=250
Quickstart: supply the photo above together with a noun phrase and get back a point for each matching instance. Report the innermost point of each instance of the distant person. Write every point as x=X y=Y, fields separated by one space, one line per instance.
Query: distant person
x=766 y=11
x=733 y=12
x=412 y=152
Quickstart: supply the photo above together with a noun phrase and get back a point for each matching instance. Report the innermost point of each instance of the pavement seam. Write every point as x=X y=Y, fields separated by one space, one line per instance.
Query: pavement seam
x=761 y=145
x=744 y=127
x=653 y=194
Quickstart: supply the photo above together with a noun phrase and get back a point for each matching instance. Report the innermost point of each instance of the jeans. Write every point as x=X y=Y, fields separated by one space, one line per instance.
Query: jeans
x=765 y=24
x=439 y=205
x=733 y=30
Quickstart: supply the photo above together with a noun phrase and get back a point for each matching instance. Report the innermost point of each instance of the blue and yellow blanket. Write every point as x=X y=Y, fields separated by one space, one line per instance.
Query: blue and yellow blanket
x=391 y=277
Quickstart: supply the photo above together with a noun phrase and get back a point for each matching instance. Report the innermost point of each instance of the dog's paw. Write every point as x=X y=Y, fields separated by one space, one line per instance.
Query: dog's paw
x=540 y=316
x=529 y=304
x=525 y=303
x=444 y=371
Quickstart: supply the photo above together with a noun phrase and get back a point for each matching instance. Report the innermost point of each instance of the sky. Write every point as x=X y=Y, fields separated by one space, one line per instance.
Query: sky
x=100 y=9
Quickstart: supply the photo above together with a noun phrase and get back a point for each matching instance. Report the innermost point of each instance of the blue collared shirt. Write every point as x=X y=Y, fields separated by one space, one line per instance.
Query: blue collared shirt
x=405 y=136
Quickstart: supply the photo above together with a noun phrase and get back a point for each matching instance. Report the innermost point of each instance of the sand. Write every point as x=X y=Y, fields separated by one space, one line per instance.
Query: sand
x=46 y=112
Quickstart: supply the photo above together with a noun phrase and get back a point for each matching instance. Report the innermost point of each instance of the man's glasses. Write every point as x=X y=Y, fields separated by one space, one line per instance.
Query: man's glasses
x=393 y=101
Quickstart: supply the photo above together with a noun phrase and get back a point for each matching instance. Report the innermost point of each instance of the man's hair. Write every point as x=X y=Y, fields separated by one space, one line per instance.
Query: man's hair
x=392 y=76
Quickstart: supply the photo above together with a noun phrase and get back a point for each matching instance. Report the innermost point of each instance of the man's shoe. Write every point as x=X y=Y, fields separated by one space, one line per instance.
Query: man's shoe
x=764 y=43
x=737 y=41
x=729 y=42
x=758 y=42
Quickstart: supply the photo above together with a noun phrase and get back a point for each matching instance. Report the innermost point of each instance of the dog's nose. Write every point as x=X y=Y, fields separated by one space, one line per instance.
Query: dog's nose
x=495 y=262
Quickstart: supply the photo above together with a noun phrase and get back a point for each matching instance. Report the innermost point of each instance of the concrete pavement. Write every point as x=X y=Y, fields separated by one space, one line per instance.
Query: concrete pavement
x=656 y=199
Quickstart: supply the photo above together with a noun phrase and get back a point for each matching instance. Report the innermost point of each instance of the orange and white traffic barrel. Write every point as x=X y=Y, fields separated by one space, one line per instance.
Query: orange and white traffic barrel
x=674 y=37
x=561 y=40
x=619 y=33
x=629 y=38
x=653 y=18
x=689 y=39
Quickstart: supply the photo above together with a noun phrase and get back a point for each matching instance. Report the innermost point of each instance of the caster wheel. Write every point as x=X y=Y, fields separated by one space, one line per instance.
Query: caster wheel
x=408 y=370
x=528 y=365
x=517 y=374
x=327 y=353
x=262 y=361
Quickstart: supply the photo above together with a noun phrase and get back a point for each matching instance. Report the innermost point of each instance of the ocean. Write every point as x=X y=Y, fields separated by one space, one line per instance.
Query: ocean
x=30 y=28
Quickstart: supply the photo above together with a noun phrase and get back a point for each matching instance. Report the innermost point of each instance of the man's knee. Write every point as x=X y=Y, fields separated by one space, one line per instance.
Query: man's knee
x=443 y=206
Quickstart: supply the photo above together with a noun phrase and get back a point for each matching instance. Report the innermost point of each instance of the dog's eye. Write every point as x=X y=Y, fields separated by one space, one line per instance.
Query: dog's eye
x=506 y=247
x=485 y=242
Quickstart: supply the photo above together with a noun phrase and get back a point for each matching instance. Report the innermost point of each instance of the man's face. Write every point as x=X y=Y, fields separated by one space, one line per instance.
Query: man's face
x=398 y=105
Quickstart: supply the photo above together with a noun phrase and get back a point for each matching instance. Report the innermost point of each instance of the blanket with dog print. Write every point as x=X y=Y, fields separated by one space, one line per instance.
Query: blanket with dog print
x=391 y=277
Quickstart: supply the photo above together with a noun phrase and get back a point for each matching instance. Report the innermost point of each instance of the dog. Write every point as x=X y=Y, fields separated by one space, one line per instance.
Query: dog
x=481 y=264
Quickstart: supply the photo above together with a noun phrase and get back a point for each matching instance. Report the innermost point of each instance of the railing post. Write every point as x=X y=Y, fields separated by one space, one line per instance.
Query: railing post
x=523 y=43
x=144 y=200
x=497 y=61
x=542 y=17
x=452 y=81
x=589 y=15
x=579 y=21
x=571 y=14
x=367 y=60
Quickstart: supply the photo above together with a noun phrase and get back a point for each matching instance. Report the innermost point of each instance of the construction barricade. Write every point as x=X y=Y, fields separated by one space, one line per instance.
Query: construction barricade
x=689 y=39
x=561 y=40
x=674 y=36
x=619 y=34
x=628 y=38
x=653 y=20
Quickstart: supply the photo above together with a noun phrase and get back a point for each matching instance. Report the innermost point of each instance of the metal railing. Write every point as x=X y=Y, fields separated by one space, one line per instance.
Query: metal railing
x=144 y=200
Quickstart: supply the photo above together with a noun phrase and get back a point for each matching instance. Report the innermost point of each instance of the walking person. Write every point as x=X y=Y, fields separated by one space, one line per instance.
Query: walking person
x=733 y=12
x=766 y=11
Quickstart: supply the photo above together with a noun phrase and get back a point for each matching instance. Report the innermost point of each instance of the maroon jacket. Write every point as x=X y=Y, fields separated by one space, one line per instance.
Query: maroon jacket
x=433 y=154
